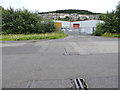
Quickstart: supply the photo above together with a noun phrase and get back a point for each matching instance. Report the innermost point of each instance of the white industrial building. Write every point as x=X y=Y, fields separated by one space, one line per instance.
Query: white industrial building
x=64 y=24
x=87 y=26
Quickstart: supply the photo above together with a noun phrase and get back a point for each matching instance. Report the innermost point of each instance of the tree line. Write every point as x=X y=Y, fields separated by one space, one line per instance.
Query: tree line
x=71 y=11
x=22 y=21
x=111 y=23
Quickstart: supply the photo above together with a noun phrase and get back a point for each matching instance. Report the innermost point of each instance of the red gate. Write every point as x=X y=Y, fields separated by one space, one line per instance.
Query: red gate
x=75 y=26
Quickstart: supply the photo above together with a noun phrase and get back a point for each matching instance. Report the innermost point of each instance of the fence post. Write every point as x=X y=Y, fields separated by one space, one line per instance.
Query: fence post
x=79 y=31
x=93 y=29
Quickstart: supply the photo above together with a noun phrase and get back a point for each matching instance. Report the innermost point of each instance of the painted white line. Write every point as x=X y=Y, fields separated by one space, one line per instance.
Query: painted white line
x=12 y=44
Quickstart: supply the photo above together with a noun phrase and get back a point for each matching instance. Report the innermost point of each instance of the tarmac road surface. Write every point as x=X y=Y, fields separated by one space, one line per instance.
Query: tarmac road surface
x=55 y=63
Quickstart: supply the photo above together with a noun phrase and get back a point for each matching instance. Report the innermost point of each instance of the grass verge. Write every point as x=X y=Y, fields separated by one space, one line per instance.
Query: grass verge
x=111 y=35
x=32 y=36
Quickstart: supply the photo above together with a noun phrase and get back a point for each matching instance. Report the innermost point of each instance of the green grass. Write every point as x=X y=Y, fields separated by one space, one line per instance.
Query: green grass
x=111 y=35
x=32 y=36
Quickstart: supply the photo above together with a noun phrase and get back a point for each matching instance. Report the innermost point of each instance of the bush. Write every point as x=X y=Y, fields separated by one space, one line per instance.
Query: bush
x=18 y=21
x=49 y=26
x=100 y=29
x=111 y=23
x=111 y=35
x=24 y=22
x=118 y=18
x=45 y=26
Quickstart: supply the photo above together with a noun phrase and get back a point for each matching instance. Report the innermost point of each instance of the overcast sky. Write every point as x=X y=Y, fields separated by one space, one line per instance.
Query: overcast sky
x=99 y=6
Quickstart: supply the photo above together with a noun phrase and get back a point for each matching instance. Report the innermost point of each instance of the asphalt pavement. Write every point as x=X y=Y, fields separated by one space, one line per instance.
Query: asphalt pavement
x=55 y=63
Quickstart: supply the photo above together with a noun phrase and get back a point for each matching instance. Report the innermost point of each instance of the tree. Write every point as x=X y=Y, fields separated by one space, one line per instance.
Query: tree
x=67 y=18
x=1 y=8
x=49 y=26
x=111 y=23
x=118 y=18
x=59 y=18
x=45 y=26
x=100 y=29
x=102 y=16
x=18 y=21
x=24 y=22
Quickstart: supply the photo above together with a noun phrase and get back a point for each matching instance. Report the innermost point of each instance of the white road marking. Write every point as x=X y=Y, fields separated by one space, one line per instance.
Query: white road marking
x=11 y=44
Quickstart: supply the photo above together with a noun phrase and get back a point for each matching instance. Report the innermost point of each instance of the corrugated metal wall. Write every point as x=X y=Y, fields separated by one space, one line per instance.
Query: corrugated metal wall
x=87 y=26
x=87 y=23
x=65 y=24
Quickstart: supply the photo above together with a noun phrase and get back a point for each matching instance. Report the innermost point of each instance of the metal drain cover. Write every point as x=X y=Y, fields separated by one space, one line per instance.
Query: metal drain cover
x=80 y=84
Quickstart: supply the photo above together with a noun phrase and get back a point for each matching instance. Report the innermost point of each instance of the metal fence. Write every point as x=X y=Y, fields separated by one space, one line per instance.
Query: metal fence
x=81 y=30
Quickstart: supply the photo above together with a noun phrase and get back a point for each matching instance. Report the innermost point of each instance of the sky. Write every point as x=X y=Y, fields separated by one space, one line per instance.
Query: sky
x=98 y=6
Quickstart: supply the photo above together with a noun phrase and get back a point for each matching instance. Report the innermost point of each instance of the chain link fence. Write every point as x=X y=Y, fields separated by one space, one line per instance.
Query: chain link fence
x=81 y=30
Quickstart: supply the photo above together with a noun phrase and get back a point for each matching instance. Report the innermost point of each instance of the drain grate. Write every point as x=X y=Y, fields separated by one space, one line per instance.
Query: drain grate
x=80 y=84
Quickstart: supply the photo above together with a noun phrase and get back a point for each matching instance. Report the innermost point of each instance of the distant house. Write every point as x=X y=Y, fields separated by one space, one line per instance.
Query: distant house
x=91 y=17
x=73 y=16
x=83 y=17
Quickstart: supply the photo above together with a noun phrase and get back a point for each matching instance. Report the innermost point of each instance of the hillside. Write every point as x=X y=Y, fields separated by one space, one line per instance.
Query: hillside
x=70 y=11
